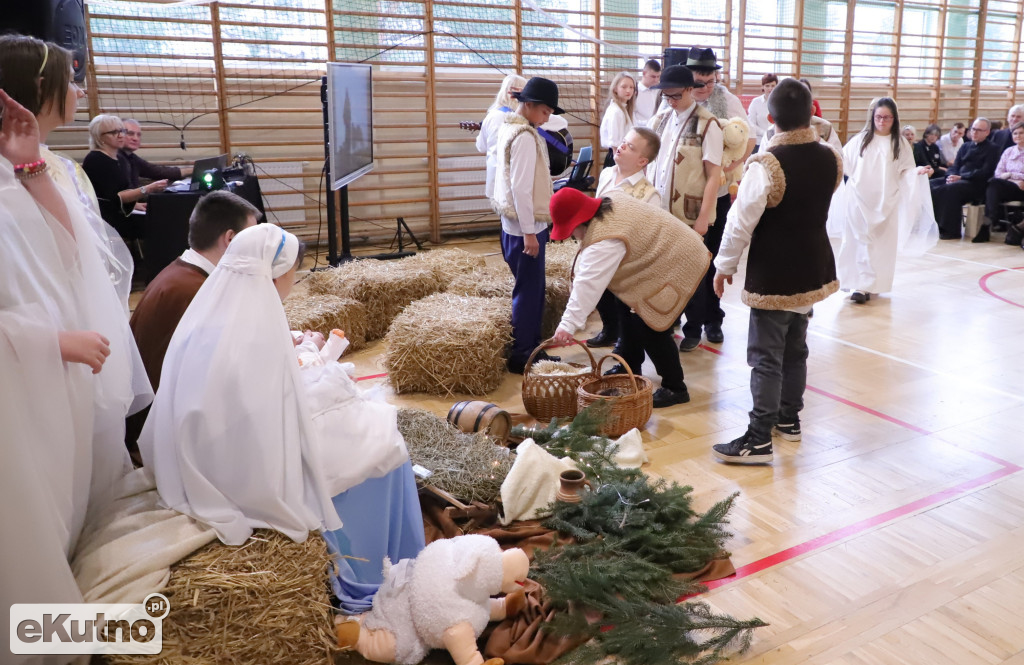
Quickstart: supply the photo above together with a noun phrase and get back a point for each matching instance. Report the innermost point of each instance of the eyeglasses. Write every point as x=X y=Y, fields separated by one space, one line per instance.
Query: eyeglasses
x=676 y=97
x=884 y=118
x=119 y=132
x=979 y=129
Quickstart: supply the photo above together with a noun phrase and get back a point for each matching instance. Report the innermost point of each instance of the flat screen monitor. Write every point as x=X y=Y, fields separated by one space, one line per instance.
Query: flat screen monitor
x=350 y=121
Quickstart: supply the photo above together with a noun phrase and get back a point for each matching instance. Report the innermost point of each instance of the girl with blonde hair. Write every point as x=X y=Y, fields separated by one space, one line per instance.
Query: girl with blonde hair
x=618 y=117
x=487 y=141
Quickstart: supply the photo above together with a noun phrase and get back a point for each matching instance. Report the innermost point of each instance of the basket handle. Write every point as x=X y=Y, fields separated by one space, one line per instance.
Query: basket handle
x=632 y=377
x=551 y=342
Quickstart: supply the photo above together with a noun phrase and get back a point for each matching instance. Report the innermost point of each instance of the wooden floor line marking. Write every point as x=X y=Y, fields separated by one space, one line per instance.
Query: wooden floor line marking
x=983 y=283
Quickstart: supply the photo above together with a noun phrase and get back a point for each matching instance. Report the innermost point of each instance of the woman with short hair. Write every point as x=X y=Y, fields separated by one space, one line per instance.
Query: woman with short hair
x=927 y=153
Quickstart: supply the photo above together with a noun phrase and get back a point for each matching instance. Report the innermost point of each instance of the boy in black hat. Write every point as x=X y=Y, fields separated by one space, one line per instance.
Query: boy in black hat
x=704 y=309
x=522 y=192
x=780 y=211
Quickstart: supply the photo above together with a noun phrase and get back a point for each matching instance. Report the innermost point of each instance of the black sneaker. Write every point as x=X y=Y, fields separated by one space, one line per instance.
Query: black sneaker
x=667 y=397
x=860 y=297
x=788 y=431
x=713 y=331
x=689 y=344
x=617 y=368
x=543 y=355
x=744 y=450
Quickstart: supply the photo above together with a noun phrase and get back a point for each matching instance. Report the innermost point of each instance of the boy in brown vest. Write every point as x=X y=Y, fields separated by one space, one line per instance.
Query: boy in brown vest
x=780 y=211
x=652 y=267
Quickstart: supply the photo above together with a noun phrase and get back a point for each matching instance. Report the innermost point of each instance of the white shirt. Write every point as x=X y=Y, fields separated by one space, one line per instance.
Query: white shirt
x=662 y=169
x=595 y=267
x=744 y=216
x=193 y=257
x=521 y=174
x=606 y=184
x=615 y=124
x=949 y=150
x=757 y=117
x=646 y=99
x=487 y=143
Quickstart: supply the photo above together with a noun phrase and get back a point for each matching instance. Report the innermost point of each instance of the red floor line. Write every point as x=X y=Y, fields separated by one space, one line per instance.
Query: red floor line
x=983 y=283
x=865 y=525
x=866 y=409
x=371 y=376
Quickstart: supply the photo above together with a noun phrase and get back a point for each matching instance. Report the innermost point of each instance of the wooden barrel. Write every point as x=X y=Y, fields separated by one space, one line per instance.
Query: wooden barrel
x=479 y=416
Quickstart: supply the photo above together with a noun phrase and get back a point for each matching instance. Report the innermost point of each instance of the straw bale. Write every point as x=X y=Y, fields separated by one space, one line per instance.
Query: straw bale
x=556 y=297
x=447 y=264
x=558 y=258
x=263 y=602
x=469 y=466
x=446 y=343
x=493 y=281
x=385 y=287
x=324 y=313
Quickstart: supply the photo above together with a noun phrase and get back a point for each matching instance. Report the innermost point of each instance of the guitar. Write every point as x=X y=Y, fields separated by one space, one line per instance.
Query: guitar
x=559 y=145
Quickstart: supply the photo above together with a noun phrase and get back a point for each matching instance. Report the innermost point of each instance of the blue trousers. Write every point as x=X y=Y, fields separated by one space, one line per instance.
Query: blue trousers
x=527 y=295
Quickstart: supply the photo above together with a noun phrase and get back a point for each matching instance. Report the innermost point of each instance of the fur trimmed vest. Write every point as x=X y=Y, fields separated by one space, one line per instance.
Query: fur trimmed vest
x=688 y=178
x=503 y=201
x=643 y=190
x=790 y=262
x=665 y=259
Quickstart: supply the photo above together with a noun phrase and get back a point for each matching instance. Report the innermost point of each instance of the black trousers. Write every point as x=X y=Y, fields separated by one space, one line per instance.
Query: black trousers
x=637 y=338
x=608 y=309
x=777 y=355
x=705 y=307
x=948 y=201
x=998 y=192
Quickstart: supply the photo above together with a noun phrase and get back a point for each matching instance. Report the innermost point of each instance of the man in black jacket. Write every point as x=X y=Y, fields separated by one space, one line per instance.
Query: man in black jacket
x=966 y=180
x=136 y=167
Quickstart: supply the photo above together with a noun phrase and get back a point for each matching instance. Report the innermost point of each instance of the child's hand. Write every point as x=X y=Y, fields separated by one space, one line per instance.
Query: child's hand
x=19 y=138
x=530 y=245
x=84 y=346
x=719 y=284
x=563 y=337
x=701 y=225
x=315 y=337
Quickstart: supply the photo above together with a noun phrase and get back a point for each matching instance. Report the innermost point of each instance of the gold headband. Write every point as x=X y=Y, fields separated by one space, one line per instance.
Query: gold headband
x=46 y=56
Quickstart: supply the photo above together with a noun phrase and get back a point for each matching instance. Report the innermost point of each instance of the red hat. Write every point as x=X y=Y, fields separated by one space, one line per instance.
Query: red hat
x=570 y=208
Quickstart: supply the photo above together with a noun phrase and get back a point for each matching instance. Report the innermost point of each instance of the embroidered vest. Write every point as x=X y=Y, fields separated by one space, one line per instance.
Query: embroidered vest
x=686 y=193
x=503 y=201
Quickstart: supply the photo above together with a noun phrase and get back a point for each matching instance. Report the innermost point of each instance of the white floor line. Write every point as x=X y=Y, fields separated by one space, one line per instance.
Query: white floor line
x=977 y=263
x=904 y=361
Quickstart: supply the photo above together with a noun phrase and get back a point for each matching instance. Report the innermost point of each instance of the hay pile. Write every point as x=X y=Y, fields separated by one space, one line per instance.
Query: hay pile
x=470 y=467
x=558 y=258
x=385 y=287
x=493 y=281
x=324 y=313
x=556 y=297
x=263 y=602
x=446 y=343
x=447 y=264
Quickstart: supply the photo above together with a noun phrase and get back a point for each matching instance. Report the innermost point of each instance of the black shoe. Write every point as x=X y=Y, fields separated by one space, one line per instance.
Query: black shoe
x=949 y=236
x=617 y=368
x=983 y=235
x=603 y=338
x=810 y=314
x=516 y=366
x=788 y=431
x=744 y=450
x=689 y=344
x=667 y=397
x=860 y=297
x=544 y=356
x=713 y=331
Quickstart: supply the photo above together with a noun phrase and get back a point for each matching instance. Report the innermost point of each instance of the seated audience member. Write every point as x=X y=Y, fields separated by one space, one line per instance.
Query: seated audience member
x=116 y=196
x=965 y=180
x=757 y=112
x=646 y=96
x=139 y=168
x=240 y=437
x=1002 y=138
x=1007 y=183
x=910 y=133
x=814 y=102
x=951 y=143
x=927 y=153
x=215 y=221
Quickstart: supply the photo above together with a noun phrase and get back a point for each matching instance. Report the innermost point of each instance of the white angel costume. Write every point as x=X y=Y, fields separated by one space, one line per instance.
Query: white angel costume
x=63 y=441
x=879 y=211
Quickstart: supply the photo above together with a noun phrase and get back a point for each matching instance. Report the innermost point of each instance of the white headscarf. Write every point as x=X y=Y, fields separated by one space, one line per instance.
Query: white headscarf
x=229 y=437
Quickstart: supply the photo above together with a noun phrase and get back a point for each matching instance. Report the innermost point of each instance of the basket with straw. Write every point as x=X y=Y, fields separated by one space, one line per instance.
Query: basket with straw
x=550 y=391
x=630 y=398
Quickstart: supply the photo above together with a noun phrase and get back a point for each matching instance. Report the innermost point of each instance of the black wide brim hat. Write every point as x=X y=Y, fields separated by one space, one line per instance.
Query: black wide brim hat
x=541 y=91
x=702 y=58
x=677 y=76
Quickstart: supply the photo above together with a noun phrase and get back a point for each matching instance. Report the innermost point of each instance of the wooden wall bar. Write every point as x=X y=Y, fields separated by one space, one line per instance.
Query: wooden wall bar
x=245 y=78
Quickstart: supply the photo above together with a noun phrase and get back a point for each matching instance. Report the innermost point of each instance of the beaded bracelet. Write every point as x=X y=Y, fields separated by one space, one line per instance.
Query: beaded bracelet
x=31 y=170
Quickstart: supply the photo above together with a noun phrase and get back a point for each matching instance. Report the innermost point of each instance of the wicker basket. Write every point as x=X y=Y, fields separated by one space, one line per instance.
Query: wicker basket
x=627 y=411
x=547 y=397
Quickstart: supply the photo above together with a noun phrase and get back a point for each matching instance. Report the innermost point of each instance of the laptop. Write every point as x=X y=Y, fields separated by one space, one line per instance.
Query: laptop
x=203 y=165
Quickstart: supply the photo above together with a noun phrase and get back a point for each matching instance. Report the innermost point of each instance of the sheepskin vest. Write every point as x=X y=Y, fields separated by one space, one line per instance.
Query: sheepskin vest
x=790 y=262
x=665 y=259
x=718 y=102
x=688 y=178
x=503 y=201
x=643 y=190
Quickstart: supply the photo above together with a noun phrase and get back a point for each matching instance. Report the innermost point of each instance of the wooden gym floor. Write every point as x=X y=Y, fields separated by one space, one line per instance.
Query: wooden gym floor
x=894 y=532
